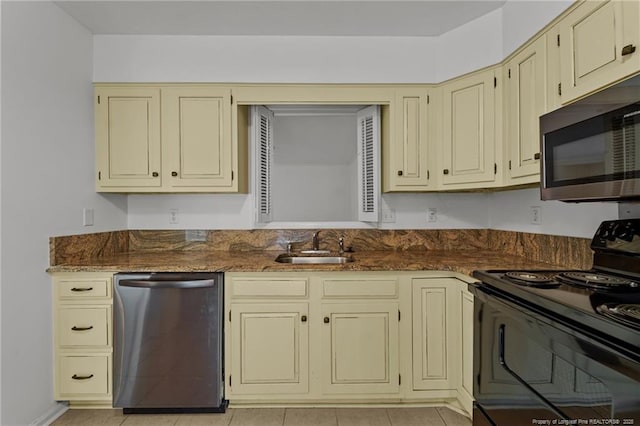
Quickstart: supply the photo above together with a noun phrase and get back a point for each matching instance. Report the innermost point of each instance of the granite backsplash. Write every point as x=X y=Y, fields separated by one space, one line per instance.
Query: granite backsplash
x=569 y=252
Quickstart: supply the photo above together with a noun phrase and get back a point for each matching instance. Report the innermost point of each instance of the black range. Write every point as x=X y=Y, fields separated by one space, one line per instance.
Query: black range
x=561 y=345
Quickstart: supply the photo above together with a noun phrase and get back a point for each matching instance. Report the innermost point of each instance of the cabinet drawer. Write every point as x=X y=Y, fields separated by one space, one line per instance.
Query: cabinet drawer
x=83 y=326
x=277 y=287
x=83 y=375
x=78 y=289
x=360 y=288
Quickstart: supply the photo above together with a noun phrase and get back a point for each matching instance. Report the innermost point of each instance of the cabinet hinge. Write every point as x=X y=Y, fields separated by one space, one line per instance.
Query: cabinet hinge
x=509 y=73
x=98 y=99
x=398 y=314
x=509 y=164
x=495 y=168
x=559 y=89
x=558 y=40
x=495 y=82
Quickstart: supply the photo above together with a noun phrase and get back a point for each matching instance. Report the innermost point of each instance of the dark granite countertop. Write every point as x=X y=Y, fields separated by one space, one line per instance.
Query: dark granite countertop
x=461 y=261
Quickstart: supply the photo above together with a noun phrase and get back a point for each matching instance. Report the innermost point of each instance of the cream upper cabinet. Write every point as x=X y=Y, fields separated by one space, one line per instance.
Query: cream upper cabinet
x=598 y=42
x=468 y=157
x=196 y=137
x=525 y=101
x=169 y=139
x=270 y=345
x=360 y=348
x=127 y=126
x=406 y=151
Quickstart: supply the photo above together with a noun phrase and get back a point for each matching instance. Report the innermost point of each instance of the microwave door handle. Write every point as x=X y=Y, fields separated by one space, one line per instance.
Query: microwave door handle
x=631 y=114
x=503 y=363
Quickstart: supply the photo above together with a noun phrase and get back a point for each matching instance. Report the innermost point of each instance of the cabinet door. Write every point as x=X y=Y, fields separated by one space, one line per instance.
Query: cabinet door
x=196 y=137
x=526 y=102
x=597 y=44
x=431 y=334
x=269 y=348
x=360 y=348
x=127 y=121
x=466 y=348
x=407 y=167
x=468 y=130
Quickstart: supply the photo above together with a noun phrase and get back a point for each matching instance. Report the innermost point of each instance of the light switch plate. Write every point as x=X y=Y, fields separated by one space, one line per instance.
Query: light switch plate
x=87 y=217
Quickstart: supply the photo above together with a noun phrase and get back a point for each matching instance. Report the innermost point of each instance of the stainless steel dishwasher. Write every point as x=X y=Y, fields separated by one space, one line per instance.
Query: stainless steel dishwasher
x=168 y=342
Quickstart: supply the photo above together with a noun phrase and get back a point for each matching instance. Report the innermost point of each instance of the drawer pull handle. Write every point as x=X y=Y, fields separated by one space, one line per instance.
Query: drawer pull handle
x=82 y=289
x=74 y=328
x=628 y=50
x=76 y=377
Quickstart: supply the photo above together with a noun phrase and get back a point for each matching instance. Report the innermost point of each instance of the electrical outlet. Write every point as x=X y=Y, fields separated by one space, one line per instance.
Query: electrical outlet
x=87 y=217
x=195 y=235
x=173 y=216
x=536 y=217
x=389 y=216
x=432 y=214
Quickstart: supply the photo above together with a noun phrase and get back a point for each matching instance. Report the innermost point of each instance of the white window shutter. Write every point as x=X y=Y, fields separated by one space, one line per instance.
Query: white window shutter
x=262 y=134
x=368 y=163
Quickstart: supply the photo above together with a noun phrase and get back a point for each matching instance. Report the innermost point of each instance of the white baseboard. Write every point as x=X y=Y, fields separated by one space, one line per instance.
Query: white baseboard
x=58 y=409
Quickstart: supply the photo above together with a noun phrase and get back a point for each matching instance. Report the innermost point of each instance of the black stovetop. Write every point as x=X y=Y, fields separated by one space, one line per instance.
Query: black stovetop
x=573 y=305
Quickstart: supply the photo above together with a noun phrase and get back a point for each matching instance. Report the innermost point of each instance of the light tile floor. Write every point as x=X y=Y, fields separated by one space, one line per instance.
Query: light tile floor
x=275 y=416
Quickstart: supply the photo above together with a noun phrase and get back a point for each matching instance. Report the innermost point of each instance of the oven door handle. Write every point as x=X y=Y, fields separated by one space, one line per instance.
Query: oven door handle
x=503 y=363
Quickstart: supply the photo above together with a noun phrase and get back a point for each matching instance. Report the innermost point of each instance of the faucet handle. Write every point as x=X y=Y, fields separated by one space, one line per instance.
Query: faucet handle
x=341 y=245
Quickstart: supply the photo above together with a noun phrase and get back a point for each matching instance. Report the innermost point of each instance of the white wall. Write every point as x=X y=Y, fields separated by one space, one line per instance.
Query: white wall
x=124 y=58
x=521 y=19
x=47 y=178
x=511 y=210
x=482 y=42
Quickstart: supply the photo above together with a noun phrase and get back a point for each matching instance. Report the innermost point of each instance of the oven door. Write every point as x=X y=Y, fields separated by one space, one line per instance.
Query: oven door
x=530 y=368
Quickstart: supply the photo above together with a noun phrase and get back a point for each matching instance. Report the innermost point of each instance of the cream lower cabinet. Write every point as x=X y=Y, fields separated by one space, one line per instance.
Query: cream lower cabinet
x=271 y=344
x=348 y=337
x=82 y=308
x=432 y=334
x=598 y=46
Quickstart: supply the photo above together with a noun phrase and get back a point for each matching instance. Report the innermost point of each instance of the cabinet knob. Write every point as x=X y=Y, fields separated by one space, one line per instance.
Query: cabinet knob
x=536 y=156
x=399 y=172
x=154 y=174
x=303 y=318
x=628 y=50
x=174 y=174
x=76 y=377
x=326 y=320
x=445 y=171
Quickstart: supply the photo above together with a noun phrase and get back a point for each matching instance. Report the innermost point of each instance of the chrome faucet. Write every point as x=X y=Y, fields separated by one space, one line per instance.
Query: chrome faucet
x=341 y=245
x=315 y=241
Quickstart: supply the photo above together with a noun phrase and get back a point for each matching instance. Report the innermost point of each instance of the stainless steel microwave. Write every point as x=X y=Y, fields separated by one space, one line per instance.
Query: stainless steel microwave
x=591 y=148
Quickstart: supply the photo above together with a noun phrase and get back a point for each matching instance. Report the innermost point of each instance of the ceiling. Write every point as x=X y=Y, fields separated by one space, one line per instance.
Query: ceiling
x=395 y=18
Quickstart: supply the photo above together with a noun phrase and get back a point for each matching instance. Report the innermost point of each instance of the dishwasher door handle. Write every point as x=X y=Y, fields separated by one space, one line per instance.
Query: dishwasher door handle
x=167 y=283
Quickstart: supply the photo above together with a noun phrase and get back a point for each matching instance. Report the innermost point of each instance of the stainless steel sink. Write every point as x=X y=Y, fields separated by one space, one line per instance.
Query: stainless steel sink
x=292 y=258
